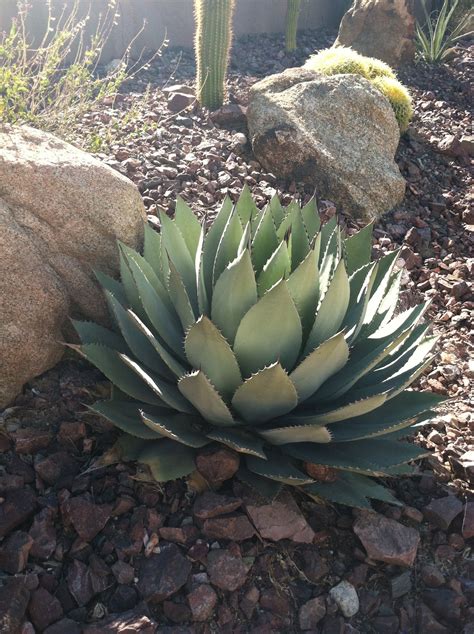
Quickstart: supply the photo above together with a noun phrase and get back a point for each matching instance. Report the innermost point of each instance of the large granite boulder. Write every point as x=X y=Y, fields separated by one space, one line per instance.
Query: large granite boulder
x=61 y=212
x=336 y=132
x=384 y=29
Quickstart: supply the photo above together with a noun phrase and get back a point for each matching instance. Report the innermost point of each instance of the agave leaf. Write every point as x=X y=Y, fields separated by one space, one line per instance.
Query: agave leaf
x=327 y=359
x=238 y=439
x=136 y=340
x=129 y=285
x=332 y=309
x=208 y=350
x=170 y=363
x=311 y=218
x=270 y=331
x=268 y=489
x=182 y=428
x=234 y=294
x=278 y=212
x=111 y=365
x=188 y=225
x=370 y=456
x=162 y=319
x=211 y=243
x=338 y=412
x=114 y=286
x=177 y=250
x=352 y=489
x=277 y=267
x=299 y=241
x=203 y=300
x=228 y=246
x=358 y=249
x=265 y=395
x=303 y=285
x=127 y=449
x=168 y=460
x=152 y=252
x=277 y=467
x=245 y=206
x=167 y=392
x=246 y=239
x=328 y=260
x=93 y=333
x=295 y=433
x=197 y=388
x=179 y=298
x=361 y=283
x=126 y=416
x=265 y=240
x=328 y=234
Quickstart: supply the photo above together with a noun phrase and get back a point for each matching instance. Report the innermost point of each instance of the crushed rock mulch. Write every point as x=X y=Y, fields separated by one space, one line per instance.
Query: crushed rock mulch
x=92 y=545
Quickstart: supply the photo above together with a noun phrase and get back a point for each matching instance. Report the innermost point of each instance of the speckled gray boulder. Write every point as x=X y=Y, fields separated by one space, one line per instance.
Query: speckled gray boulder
x=337 y=133
x=61 y=212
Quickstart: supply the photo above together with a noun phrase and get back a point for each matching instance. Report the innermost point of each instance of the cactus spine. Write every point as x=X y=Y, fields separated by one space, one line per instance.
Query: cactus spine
x=292 y=13
x=212 y=46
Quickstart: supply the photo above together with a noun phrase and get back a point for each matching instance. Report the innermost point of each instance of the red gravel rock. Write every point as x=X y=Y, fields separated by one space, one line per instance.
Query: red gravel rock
x=18 y=505
x=311 y=613
x=44 y=609
x=217 y=464
x=432 y=576
x=43 y=534
x=468 y=521
x=14 y=598
x=30 y=441
x=387 y=540
x=441 y=512
x=210 y=504
x=56 y=467
x=279 y=519
x=87 y=518
x=202 y=601
x=160 y=576
x=123 y=572
x=14 y=552
x=182 y=535
x=71 y=433
x=83 y=583
x=226 y=571
x=235 y=527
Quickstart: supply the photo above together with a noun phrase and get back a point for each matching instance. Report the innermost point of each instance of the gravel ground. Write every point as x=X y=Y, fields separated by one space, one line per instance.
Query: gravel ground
x=93 y=547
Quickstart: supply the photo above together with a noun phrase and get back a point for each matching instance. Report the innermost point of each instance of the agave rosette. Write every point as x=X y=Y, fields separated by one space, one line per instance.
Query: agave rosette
x=271 y=335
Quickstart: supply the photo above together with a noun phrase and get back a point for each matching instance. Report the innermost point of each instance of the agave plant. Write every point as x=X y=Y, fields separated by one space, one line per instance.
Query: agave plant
x=438 y=36
x=271 y=335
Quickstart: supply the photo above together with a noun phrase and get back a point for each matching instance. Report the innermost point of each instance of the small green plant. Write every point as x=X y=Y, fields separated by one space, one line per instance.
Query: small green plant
x=341 y=60
x=51 y=84
x=213 y=40
x=269 y=334
x=292 y=13
x=437 y=37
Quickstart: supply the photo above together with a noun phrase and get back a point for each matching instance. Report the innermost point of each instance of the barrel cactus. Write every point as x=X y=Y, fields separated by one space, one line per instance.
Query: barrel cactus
x=271 y=335
x=292 y=13
x=340 y=60
x=212 y=47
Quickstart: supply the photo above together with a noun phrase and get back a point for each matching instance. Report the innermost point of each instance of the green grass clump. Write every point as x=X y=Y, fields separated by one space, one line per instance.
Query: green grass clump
x=341 y=60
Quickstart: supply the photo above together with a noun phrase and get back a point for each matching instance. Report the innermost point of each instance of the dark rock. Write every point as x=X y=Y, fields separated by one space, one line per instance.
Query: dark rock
x=179 y=535
x=44 y=609
x=87 y=518
x=217 y=464
x=160 y=576
x=275 y=602
x=64 y=626
x=468 y=521
x=84 y=583
x=235 y=527
x=401 y=585
x=279 y=519
x=387 y=540
x=123 y=572
x=14 y=552
x=250 y=601
x=230 y=116
x=17 y=507
x=124 y=598
x=176 y=612
x=441 y=512
x=386 y=624
x=432 y=576
x=14 y=598
x=8 y=482
x=71 y=433
x=202 y=601
x=225 y=570
x=30 y=441
x=445 y=603
x=210 y=504
x=57 y=468
x=427 y=622
x=133 y=622
x=43 y=534
x=311 y=563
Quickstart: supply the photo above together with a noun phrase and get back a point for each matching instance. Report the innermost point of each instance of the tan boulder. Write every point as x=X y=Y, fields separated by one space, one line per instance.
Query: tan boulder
x=61 y=212
x=384 y=29
x=336 y=133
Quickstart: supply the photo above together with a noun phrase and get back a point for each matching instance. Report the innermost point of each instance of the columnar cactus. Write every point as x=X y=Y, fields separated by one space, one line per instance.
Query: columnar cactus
x=212 y=47
x=292 y=13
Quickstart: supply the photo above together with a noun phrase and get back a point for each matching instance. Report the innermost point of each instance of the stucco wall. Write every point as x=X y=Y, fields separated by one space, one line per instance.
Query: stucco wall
x=174 y=18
